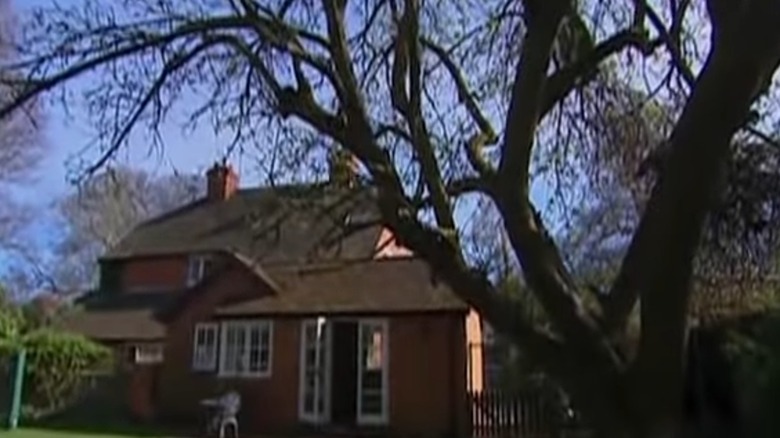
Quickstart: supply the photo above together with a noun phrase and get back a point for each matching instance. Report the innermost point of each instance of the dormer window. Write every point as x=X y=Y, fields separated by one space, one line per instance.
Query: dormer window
x=197 y=268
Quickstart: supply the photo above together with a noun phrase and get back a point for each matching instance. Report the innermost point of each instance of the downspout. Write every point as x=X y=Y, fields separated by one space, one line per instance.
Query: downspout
x=318 y=374
x=459 y=348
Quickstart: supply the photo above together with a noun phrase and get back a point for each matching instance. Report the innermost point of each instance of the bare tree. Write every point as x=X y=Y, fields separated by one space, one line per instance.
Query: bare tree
x=92 y=219
x=20 y=146
x=443 y=99
x=105 y=208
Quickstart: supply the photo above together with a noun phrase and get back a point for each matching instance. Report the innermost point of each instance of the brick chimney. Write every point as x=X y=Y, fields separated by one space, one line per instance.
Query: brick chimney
x=222 y=182
x=344 y=168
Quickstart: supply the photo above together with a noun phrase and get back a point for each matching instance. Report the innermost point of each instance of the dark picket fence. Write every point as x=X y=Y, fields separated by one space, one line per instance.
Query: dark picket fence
x=499 y=414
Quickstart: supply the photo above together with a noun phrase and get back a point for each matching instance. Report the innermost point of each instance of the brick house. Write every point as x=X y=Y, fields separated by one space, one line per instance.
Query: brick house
x=259 y=290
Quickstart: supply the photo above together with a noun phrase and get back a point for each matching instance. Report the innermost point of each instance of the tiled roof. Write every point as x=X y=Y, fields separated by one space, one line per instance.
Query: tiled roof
x=390 y=286
x=270 y=225
x=373 y=286
x=129 y=316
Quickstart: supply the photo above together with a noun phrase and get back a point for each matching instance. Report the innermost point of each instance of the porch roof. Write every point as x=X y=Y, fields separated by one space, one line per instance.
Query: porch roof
x=115 y=317
x=372 y=286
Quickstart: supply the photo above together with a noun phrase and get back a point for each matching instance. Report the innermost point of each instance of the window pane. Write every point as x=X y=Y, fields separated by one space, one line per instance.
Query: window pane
x=371 y=350
x=265 y=335
x=371 y=403
x=308 y=401
x=258 y=348
x=311 y=333
x=264 y=359
x=241 y=353
x=196 y=269
x=204 y=353
x=372 y=380
x=234 y=348
x=247 y=348
x=254 y=336
x=254 y=360
x=310 y=358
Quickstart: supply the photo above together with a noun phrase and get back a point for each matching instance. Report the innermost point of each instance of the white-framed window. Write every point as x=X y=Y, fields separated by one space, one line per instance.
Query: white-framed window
x=204 y=349
x=147 y=353
x=197 y=268
x=373 y=388
x=246 y=348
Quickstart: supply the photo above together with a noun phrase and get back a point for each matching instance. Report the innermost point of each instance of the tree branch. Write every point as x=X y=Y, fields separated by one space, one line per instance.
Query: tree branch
x=537 y=253
x=464 y=94
x=361 y=139
x=421 y=140
x=39 y=86
x=563 y=81
x=454 y=189
x=527 y=93
x=504 y=312
x=168 y=69
x=487 y=134
x=285 y=38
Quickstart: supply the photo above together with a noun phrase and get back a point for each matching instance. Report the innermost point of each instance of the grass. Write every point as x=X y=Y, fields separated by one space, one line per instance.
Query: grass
x=97 y=428
x=91 y=423
x=41 y=432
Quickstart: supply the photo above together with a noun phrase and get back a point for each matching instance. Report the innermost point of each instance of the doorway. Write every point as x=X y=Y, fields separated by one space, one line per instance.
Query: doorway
x=344 y=372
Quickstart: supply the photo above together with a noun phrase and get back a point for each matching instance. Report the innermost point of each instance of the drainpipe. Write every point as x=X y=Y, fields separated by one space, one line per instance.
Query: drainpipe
x=319 y=369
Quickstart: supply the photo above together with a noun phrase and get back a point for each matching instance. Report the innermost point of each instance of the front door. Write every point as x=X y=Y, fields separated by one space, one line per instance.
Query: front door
x=344 y=373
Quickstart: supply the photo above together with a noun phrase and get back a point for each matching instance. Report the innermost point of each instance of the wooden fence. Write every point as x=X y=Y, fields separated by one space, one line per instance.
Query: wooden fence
x=497 y=414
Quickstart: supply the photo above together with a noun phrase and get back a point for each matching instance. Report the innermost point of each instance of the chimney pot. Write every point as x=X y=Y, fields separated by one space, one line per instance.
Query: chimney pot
x=222 y=182
x=344 y=167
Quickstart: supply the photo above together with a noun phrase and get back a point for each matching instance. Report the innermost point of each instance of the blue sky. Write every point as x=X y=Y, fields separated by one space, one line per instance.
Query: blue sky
x=64 y=138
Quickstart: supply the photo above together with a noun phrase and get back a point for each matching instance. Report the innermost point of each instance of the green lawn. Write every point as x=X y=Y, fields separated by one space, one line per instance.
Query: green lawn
x=98 y=426
x=24 y=432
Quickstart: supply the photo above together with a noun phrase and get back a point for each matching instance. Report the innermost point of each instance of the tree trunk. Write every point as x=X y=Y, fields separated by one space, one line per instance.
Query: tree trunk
x=619 y=409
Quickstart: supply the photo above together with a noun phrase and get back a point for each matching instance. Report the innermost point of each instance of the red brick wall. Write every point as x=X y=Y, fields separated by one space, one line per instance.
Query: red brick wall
x=426 y=352
x=427 y=374
x=427 y=366
x=267 y=403
x=154 y=273
x=140 y=391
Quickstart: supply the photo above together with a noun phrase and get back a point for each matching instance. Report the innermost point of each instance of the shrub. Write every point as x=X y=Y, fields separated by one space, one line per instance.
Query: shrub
x=755 y=354
x=59 y=366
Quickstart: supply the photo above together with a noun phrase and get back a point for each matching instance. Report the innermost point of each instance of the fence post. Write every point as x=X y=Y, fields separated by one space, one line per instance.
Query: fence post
x=16 y=395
